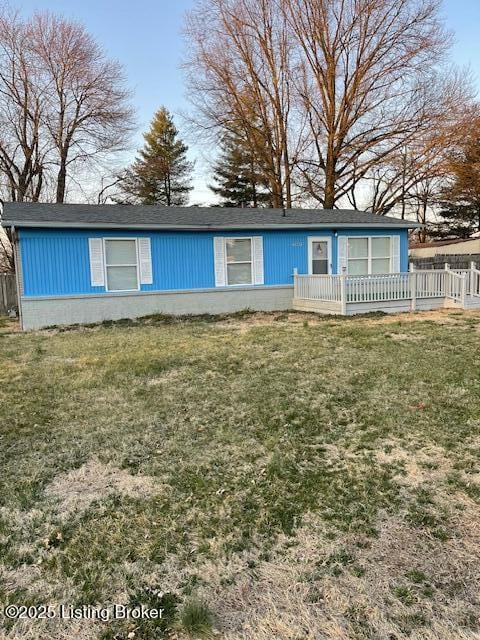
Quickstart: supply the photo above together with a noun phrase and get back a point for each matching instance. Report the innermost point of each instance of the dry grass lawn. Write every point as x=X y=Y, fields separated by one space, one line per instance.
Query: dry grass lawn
x=259 y=476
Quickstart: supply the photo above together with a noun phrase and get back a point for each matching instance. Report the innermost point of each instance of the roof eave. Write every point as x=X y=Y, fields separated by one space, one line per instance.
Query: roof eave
x=210 y=227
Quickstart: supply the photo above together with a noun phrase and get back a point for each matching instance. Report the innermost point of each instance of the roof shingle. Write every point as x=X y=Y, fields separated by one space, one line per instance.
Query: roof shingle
x=143 y=216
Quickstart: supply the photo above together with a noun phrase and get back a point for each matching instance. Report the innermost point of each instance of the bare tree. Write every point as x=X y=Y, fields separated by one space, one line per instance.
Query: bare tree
x=240 y=71
x=23 y=149
x=370 y=86
x=414 y=171
x=340 y=87
x=62 y=103
x=7 y=263
x=87 y=112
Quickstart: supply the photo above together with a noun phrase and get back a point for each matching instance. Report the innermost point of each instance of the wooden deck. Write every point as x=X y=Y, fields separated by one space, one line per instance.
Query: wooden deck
x=390 y=293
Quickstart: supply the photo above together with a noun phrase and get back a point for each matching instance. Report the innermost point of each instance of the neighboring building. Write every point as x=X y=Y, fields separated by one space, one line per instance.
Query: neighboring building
x=88 y=263
x=468 y=246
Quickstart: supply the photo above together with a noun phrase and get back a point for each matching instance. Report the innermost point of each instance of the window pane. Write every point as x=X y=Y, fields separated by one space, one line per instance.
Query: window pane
x=381 y=265
x=120 y=252
x=380 y=247
x=239 y=273
x=320 y=257
x=239 y=250
x=122 y=278
x=358 y=267
x=357 y=247
x=320 y=250
x=319 y=267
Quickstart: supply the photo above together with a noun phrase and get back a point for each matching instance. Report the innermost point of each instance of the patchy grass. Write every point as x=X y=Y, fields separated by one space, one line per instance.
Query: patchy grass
x=257 y=476
x=196 y=619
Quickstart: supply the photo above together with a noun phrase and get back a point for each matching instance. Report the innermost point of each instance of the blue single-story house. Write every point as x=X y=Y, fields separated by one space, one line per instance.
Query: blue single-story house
x=86 y=263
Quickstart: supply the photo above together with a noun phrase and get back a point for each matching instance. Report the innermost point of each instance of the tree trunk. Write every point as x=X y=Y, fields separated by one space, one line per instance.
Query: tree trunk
x=38 y=189
x=288 y=181
x=329 y=194
x=62 y=179
x=423 y=231
x=168 y=190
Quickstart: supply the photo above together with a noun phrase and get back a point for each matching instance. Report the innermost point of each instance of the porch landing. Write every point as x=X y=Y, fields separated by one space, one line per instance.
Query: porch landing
x=390 y=293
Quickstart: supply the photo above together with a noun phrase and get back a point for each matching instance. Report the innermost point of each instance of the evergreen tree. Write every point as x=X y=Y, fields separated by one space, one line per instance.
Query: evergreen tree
x=460 y=200
x=238 y=177
x=161 y=173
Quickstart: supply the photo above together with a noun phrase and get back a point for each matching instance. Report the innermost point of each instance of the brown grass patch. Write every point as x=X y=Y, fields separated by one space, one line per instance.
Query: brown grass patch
x=75 y=490
x=295 y=594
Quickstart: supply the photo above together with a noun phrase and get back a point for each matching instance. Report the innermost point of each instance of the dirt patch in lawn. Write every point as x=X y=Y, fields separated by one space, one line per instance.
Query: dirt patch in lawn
x=260 y=319
x=76 y=490
x=439 y=316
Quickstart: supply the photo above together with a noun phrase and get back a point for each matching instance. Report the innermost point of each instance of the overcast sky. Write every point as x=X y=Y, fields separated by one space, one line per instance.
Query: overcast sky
x=145 y=36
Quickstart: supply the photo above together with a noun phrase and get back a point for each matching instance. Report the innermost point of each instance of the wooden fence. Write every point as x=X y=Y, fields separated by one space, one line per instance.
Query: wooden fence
x=456 y=261
x=8 y=293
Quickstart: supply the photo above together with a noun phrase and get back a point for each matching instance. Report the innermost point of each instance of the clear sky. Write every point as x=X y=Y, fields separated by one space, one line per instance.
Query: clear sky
x=145 y=36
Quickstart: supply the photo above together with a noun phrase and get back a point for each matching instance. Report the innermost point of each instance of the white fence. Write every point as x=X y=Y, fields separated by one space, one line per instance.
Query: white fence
x=345 y=289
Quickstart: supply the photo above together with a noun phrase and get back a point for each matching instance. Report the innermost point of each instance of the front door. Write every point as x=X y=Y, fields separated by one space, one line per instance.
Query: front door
x=319 y=256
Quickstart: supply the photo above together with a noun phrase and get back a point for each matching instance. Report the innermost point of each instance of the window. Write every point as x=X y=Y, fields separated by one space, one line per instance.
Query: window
x=369 y=255
x=380 y=251
x=239 y=260
x=121 y=265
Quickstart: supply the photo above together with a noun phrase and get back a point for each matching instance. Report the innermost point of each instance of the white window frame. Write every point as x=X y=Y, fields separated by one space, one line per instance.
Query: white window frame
x=252 y=278
x=137 y=265
x=311 y=240
x=369 y=253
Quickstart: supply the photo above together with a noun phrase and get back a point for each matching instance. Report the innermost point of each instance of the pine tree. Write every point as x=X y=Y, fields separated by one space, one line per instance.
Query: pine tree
x=460 y=200
x=238 y=177
x=161 y=173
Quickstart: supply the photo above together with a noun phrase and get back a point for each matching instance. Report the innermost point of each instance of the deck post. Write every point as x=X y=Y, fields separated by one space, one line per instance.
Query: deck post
x=447 y=266
x=413 y=285
x=463 y=290
x=343 y=294
x=411 y=267
x=471 y=277
x=295 y=274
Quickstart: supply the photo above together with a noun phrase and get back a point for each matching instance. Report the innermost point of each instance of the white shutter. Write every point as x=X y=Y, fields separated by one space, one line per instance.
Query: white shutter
x=145 y=260
x=257 y=259
x=220 y=264
x=395 y=254
x=97 y=274
x=342 y=254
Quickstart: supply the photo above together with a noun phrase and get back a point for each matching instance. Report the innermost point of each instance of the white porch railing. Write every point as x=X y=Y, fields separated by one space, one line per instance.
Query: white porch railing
x=472 y=279
x=394 y=286
x=475 y=283
x=429 y=284
x=414 y=285
x=319 y=287
x=455 y=286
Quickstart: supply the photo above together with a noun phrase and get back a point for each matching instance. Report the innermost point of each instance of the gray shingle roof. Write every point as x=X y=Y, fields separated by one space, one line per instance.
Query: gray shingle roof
x=155 y=217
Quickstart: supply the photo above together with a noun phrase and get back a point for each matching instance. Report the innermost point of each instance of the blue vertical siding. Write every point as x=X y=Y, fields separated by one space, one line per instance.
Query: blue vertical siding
x=56 y=262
